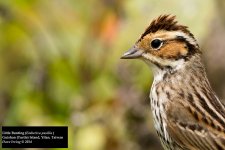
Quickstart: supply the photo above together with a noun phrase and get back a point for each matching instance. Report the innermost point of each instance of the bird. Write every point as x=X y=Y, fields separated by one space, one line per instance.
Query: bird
x=187 y=114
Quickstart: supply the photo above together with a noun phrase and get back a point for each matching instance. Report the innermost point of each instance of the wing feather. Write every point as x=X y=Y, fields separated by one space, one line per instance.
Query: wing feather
x=190 y=133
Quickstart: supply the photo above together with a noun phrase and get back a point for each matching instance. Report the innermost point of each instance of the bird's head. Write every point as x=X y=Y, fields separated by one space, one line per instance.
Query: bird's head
x=164 y=43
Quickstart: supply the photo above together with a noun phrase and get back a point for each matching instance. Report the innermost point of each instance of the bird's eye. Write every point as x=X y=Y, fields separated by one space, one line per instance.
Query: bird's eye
x=156 y=43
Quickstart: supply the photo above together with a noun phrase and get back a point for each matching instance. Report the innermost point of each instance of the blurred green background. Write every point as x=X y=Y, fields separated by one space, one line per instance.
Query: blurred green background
x=60 y=65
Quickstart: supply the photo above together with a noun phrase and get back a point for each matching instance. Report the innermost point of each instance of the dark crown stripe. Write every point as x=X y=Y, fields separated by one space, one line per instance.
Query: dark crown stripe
x=168 y=23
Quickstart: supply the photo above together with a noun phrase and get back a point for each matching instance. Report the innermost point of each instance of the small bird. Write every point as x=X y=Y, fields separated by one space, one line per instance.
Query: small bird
x=187 y=113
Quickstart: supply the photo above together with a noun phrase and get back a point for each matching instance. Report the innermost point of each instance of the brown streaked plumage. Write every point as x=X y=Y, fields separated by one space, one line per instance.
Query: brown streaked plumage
x=187 y=114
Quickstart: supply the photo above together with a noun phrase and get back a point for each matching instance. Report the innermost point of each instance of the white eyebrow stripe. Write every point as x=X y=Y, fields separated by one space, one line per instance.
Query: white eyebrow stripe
x=175 y=34
x=188 y=38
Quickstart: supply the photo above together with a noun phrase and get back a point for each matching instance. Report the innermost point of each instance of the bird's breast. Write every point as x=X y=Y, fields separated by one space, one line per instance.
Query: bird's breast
x=158 y=100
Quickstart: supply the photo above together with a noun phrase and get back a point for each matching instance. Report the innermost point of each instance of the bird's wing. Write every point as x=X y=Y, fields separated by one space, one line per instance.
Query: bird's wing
x=195 y=137
x=189 y=132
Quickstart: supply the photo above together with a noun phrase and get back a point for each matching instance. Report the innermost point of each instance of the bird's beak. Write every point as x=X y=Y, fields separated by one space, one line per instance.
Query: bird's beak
x=132 y=53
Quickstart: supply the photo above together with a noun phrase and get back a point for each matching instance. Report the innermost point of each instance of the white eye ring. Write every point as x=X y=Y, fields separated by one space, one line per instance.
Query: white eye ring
x=156 y=43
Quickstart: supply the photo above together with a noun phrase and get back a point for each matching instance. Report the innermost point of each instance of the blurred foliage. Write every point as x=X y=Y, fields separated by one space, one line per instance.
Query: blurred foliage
x=59 y=65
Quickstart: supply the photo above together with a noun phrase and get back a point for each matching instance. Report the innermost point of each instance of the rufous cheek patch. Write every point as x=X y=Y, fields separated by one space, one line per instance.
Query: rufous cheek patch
x=171 y=50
